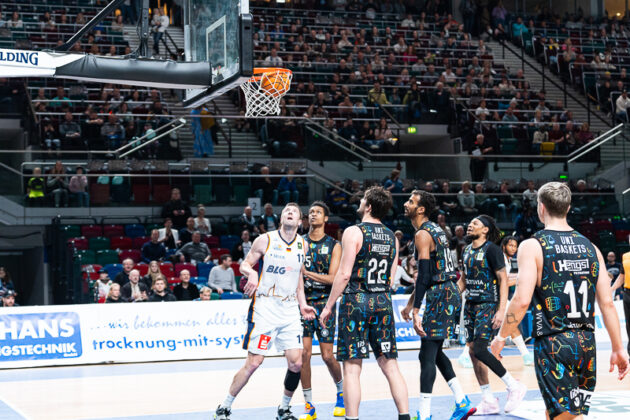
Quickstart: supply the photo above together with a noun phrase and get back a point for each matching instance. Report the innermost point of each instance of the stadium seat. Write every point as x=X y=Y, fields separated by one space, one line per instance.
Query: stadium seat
x=203 y=269
x=241 y=194
x=504 y=132
x=203 y=193
x=236 y=267
x=99 y=243
x=134 y=254
x=135 y=230
x=186 y=266
x=151 y=226
x=161 y=193
x=167 y=269
x=401 y=290
x=141 y=193
x=212 y=241
x=71 y=231
x=607 y=241
x=139 y=241
x=91 y=268
x=78 y=243
x=547 y=148
x=231 y=295
x=217 y=252
x=229 y=241
x=508 y=146
x=622 y=235
x=172 y=281
x=86 y=256
x=170 y=252
x=106 y=256
x=143 y=268
x=99 y=194
x=91 y=231
x=111 y=231
x=113 y=269
x=199 y=281
x=215 y=296
x=121 y=242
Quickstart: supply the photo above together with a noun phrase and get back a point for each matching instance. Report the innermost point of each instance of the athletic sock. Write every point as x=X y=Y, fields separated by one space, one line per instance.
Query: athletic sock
x=425 y=406
x=456 y=387
x=509 y=380
x=285 y=402
x=339 y=386
x=520 y=344
x=308 y=394
x=486 y=392
x=227 y=403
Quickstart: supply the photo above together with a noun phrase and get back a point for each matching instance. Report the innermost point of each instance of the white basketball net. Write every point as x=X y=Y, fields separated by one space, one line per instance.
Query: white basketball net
x=262 y=97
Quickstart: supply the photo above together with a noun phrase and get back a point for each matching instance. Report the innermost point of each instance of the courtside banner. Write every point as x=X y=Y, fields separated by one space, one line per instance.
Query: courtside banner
x=136 y=332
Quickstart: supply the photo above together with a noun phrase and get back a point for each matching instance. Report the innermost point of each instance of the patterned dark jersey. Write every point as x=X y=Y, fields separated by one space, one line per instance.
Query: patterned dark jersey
x=318 y=256
x=443 y=259
x=480 y=266
x=372 y=267
x=565 y=299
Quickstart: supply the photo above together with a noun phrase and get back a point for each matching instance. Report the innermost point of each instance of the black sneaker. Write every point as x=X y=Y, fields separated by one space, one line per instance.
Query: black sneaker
x=285 y=414
x=222 y=413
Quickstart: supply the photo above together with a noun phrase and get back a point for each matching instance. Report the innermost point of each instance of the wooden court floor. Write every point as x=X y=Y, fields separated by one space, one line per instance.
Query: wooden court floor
x=187 y=390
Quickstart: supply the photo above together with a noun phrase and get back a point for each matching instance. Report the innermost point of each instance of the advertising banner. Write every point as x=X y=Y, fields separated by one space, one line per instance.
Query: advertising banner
x=144 y=332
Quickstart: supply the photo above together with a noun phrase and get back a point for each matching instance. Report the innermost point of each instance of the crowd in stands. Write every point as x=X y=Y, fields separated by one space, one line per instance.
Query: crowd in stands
x=7 y=289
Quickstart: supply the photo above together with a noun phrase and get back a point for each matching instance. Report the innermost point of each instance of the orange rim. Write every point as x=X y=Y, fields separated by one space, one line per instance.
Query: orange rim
x=259 y=71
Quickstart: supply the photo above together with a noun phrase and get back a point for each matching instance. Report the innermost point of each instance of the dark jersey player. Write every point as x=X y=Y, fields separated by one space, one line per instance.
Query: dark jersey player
x=368 y=263
x=562 y=274
x=486 y=284
x=437 y=280
x=322 y=261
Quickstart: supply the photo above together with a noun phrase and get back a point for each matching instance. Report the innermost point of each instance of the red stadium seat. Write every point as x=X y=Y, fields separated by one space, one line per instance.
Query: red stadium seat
x=236 y=267
x=134 y=254
x=217 y=252
x=622 y=235
x=211 y=241
x=138 y=242
x=91 y=268
x=111 y=231
x=121 y=242
x=143 y=268
x=173 y=281
x=91 y=231
x=167 y=269
x=78 y=243
x=186 y=266
x=161 y=193
x=141 y=193
x=99 y=194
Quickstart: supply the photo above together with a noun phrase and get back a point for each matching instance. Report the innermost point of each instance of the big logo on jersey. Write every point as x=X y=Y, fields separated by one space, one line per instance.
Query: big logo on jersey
x=276 y=269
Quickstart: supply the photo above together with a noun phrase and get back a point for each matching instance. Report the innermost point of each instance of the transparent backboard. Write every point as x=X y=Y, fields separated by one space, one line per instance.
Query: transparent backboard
x=217 y=32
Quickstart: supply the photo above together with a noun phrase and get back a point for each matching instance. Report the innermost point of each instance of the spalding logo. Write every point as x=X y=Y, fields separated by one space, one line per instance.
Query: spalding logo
x=19 y=57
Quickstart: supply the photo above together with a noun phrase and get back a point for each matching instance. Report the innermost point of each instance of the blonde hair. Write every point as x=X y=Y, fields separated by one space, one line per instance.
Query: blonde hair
x=109 y=293
x=159 y=277
x=556 y=197
x=154 y=275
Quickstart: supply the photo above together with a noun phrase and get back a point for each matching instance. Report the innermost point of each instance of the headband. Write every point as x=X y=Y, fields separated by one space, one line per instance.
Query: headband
x=486 y=221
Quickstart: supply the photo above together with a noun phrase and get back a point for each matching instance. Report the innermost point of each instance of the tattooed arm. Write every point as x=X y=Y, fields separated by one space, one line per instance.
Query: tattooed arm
x=528 y=273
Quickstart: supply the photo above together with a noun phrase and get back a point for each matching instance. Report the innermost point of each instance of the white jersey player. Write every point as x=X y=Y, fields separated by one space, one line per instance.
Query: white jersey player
x=274 y=314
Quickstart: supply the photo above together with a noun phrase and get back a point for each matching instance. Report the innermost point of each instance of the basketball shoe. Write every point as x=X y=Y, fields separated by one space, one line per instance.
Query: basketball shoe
x=340 y=409
x=309 y=412
x=222 y=413
x=285 y=414
x=463 y=410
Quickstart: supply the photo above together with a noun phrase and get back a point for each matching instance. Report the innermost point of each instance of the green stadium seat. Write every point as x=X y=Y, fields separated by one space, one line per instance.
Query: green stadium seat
x=508 y=146
x=215 y=296
x=203 y=193
x=86 y=256
x=107 y=256
x=241 y=194
x=71 y=231
x=98 y=243
x=504 y=133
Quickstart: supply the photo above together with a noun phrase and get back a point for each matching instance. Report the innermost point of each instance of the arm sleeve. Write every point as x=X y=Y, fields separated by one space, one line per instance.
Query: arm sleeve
x=495 y=258
x=423 y=281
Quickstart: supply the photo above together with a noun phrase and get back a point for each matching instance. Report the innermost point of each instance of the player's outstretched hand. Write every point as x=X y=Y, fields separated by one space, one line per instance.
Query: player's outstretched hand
x=405 y=313
x=251 y=285
x=498 y=319
x=323 y=317
x=308 y=312
x=496 y=347
x=417 y=325
x=620 y=359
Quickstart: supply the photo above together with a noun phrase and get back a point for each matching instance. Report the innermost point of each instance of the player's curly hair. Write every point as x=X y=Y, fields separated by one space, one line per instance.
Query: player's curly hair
x=426 y=200
x=380 y=201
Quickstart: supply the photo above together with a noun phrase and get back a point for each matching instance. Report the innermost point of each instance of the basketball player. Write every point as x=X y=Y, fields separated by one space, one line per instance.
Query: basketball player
x=322 y=261
x=368 y=264
x=486 y=282
x=564 y=273
x=437 y=278
x=274 y=314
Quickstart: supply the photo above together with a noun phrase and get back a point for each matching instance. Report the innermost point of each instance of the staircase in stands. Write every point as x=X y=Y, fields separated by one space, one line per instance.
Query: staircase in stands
x=611 y=152
x=245 y=144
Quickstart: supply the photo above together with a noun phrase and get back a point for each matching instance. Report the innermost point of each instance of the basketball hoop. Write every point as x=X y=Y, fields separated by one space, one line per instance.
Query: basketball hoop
x=264 y=90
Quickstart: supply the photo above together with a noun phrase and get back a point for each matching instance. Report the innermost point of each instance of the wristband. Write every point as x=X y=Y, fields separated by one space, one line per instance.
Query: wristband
x=501 y=339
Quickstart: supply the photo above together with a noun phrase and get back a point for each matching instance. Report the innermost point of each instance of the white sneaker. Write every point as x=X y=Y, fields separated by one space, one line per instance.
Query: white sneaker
x=515 y=396
x=528 y=359
x=464 y=360
x=488 y=406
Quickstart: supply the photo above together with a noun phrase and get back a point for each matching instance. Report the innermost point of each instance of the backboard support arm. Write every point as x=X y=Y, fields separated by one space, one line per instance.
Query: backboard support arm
x=111 y=6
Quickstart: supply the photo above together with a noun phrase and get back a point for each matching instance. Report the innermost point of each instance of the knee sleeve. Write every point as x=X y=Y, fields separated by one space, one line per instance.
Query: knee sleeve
x=428 y=353
x=291 y=380
x=480 y=350
x=444 y=365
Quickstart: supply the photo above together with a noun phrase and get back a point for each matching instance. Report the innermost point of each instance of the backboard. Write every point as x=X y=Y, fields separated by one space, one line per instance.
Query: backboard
x=218 y=32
